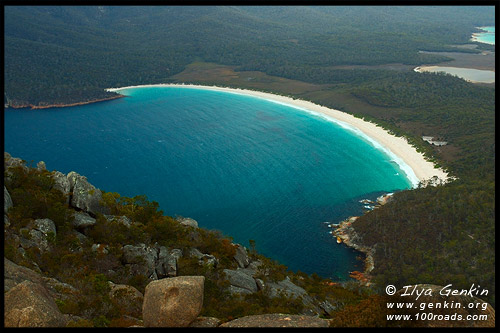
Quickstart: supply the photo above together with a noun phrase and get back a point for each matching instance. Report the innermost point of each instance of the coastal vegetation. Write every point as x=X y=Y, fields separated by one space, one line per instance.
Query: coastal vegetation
x=439 y=235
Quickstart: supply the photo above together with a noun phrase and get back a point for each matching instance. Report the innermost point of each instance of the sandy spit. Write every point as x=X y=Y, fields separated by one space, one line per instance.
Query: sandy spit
x=413 y=163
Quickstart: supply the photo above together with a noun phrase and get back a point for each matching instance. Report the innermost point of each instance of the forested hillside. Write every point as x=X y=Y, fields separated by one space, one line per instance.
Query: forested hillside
x=69 y=54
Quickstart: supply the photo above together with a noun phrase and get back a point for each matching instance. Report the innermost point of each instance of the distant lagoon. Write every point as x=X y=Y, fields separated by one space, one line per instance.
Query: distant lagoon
x=469 y=74
x=487 y=37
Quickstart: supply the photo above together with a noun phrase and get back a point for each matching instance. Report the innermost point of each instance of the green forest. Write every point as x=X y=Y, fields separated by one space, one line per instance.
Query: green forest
x=437 y=235
x=63 y=55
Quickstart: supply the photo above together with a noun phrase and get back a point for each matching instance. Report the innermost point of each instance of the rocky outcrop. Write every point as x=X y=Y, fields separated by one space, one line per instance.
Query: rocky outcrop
x=173 y=302
x=7 y=200
x=154 y=262
x=241 y=256
x=203 y=258
x=346 y=232
x=141 y=259
x=45 y=105
x=62 y=183
x=12 y=162
x=277 y=320
x=7 y=203
x=40 y=166
x=85 y=196
x=82 y=220
x=169 y=266
x=15 y=274
x=43 y=230
x=241 y=282
x=188 y=222
x=120 y=219
x=30 y=305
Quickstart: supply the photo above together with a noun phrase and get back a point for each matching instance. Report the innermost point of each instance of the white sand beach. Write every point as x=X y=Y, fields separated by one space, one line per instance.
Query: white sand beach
x=413 y=163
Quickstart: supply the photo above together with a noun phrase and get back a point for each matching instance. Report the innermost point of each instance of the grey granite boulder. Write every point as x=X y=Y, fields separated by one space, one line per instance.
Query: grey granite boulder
x=141 y=260
x=82 y=220
x=40 y=233
x=171 y=265
x=173 y=302
x=85 y=195
x=188 y=222
x=61 y=183
x=203 y=259
x=120 y=219
x=287 y=287
x=238 y=278
x=241 y=256
x=162 y=262
x=40 y=166
x=12 y=162
x=327 y=307
x=46 y=226
x=7 y=200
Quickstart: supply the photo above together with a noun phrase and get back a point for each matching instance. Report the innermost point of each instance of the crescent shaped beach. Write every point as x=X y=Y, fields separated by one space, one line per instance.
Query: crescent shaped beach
x=413 y=163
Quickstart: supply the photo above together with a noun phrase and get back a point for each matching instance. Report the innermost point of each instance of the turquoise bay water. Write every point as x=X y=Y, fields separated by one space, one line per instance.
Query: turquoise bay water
x=249 y=167
x=488 y=36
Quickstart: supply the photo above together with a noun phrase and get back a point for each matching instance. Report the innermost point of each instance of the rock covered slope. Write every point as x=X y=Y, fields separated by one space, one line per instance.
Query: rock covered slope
x=78 y=256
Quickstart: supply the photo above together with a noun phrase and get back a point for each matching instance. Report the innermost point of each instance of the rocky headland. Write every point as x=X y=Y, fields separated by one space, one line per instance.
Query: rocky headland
x=44 y=105
x=346 y=233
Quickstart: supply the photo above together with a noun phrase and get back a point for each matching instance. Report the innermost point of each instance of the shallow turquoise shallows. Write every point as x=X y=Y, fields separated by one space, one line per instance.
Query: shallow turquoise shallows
x=488 y=36
x=249 y=167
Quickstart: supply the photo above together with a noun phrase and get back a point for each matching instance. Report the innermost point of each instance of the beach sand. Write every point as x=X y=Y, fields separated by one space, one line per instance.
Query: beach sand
x=413 y=163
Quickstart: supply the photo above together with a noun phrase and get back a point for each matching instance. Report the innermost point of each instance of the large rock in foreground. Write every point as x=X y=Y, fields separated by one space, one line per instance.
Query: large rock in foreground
x=173 y=302
x=85 y=195
x=30 y=305
x=277 y=320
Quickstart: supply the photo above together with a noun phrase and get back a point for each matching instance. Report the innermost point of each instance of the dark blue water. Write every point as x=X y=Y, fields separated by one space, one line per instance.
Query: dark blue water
x=249 y=167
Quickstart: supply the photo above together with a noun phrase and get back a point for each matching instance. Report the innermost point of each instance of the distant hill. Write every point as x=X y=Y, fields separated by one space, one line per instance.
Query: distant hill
x=70 y=54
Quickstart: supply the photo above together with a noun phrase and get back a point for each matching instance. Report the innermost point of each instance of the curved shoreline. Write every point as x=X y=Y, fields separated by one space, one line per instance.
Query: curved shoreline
x=413 y=163
x=476 y=36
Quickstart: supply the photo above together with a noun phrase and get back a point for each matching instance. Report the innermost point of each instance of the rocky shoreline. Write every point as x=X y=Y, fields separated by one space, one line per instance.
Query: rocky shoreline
x=346 y=234
x=48 y=106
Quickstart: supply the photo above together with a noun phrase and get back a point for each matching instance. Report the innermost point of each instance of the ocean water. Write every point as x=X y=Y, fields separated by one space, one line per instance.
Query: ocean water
x=248 y=167
x=488 y=36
